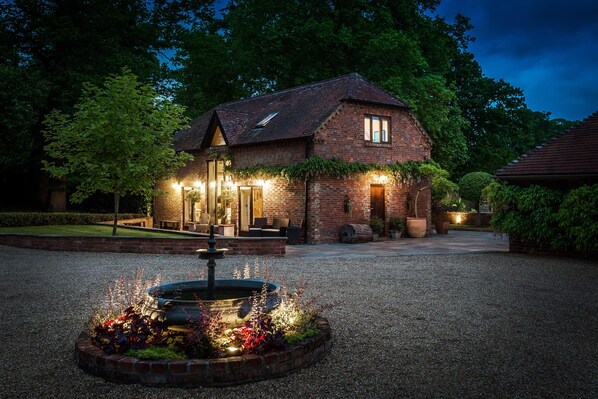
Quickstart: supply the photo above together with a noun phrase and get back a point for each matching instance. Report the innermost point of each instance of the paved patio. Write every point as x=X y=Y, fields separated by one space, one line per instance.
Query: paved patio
x=456 y=242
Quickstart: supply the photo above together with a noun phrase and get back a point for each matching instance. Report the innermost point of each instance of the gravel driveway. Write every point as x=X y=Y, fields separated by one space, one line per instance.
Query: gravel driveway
x=475 y=325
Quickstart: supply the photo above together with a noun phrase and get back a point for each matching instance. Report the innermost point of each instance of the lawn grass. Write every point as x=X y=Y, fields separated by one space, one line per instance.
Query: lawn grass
x=87 y=231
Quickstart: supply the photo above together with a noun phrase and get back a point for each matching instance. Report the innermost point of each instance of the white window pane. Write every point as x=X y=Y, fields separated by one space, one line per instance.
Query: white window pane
x=366 y=128
x=385 y=130
x=376 y=129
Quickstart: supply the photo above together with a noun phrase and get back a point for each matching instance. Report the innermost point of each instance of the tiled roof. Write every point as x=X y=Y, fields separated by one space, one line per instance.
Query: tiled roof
x=572 y=153
x=301 y=111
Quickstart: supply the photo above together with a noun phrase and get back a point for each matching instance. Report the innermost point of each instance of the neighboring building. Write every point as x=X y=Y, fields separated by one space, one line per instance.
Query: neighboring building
x=566 y=161
x=347 y=118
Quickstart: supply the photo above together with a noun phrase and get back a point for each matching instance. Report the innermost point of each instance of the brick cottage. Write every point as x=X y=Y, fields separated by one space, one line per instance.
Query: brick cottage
x=347 y=118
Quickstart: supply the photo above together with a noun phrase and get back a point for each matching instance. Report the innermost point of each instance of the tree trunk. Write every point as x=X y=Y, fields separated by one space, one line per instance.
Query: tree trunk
x=479 y=217
x=116 y=204
x=417 y=198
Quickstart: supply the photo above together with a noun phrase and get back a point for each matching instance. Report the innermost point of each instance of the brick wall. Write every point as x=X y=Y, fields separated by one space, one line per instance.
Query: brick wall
x=342 y=137
x=179 y=246
x=204 y=372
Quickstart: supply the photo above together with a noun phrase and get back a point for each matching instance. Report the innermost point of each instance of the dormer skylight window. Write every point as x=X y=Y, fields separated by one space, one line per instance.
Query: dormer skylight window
x=265 y=121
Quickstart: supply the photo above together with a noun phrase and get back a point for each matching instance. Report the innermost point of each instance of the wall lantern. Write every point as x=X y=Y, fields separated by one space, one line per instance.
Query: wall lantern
x=197 y=183
x=458 y=218
x=176 y=185
x=381 y=179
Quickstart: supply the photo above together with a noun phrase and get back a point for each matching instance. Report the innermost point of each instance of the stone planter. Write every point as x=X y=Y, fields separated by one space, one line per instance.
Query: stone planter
x=416 y=227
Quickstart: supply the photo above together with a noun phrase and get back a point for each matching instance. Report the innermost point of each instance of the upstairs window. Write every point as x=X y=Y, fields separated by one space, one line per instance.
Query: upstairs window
x=376 y=129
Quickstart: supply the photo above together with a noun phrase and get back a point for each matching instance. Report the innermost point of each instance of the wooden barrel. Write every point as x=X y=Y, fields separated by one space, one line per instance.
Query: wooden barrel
x=353 y=233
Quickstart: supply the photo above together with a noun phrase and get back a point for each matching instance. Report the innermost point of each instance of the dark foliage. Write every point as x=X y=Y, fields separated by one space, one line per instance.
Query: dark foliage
x=131 y=331
x=18 y=219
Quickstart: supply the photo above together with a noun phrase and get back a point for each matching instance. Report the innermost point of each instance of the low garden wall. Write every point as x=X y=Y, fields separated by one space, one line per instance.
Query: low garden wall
x=203 y=372
x=465 y=218
x=148 y=245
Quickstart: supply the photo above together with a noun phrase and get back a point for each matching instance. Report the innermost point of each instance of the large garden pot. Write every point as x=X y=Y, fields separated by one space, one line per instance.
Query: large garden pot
x=416 y=227
x=442 y=227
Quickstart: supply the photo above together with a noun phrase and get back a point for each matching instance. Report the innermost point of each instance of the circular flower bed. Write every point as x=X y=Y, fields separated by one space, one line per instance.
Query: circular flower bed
x=204 y=372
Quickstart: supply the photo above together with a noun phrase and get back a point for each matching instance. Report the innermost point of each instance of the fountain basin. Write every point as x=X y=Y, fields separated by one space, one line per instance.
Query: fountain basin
x=178 y=302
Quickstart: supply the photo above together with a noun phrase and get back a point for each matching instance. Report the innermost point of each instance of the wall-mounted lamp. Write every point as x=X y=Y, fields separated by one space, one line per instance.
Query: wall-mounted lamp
x=381 y=179
x=212 y=184
x=458 y=218
x=177 y=185
x=197 y=183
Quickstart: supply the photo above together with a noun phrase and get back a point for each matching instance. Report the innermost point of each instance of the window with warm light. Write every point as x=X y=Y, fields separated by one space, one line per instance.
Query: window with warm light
x=376 y=129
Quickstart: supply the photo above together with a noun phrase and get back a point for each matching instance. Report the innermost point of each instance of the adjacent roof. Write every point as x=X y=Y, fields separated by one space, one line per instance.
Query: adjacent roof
x=572 y=153
x=300 y=112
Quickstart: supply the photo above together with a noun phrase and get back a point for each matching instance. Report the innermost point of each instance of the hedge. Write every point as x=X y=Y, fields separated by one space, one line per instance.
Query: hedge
x=17 y=219
x=566 y=220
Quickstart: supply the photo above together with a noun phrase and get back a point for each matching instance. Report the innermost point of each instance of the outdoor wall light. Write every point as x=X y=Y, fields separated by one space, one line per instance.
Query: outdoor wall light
x=381 y=179
x=458 y=219
x=197 y=183
x=177 y=185
x=212 y=184
x=260 y=182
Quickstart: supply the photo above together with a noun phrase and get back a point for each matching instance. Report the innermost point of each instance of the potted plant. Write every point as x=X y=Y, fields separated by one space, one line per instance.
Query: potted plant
x=377 y=226
x=396 y=226
x=193 y=196
x=441 y=187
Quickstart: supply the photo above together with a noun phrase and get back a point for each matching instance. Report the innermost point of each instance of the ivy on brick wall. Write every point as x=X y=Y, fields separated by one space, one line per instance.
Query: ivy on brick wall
x=318 y=166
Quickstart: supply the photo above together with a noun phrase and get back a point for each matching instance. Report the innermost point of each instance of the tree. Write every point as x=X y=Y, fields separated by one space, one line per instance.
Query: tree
x=48 y=49
x=266 y=45
x=118 y=141
x=471 y=186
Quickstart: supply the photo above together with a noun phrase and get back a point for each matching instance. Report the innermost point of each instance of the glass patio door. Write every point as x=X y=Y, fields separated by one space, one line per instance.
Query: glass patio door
x=250 y=206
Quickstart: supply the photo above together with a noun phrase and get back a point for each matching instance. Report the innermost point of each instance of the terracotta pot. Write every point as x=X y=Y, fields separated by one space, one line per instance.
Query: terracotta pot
x=416 y=228
x=442 y=227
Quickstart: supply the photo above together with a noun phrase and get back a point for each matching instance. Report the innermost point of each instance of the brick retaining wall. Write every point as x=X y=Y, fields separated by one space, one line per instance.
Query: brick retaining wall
x=203 y=372
x=148 y=245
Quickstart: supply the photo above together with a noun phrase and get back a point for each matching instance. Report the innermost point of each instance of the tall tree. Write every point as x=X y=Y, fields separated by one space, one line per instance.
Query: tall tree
x=118 y=141
x=265 y=45
x=50 y=48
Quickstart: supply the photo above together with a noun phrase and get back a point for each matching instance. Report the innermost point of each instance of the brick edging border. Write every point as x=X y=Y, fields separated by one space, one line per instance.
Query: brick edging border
x=203 y=372
x=148 y=245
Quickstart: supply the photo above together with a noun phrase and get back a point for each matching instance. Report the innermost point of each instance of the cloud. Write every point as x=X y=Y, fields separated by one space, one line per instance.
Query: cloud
x=547 y=48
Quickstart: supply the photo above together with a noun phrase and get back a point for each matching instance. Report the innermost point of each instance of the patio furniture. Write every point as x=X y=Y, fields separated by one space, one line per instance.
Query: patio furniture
x=255 y=229
x=293 y=234
x=277 y=229
x=203 y=224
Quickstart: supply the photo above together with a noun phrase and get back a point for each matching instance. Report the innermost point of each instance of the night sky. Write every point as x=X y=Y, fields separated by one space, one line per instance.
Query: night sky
x=547 y=48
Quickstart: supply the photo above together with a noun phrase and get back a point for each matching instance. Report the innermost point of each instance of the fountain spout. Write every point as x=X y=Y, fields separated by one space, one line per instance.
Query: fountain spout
x=211 y=254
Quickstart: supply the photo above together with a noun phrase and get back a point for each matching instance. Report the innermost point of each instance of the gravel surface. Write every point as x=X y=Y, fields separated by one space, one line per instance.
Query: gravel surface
x=476 y=325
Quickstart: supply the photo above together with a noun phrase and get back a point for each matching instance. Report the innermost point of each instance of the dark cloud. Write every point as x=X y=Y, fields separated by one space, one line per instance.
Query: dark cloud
x=547 y=48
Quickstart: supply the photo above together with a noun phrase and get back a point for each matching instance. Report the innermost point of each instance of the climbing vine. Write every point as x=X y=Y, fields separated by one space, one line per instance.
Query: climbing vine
x=318 y=166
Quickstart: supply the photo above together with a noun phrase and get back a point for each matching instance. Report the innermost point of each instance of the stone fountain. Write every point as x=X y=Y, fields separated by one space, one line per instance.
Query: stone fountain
x=179 y=301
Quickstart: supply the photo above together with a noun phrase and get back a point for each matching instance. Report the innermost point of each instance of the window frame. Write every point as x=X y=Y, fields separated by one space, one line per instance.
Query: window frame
x=371 y=130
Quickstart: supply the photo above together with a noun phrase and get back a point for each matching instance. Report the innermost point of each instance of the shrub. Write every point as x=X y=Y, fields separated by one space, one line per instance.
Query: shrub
x=529 y=213
x=18 y=219
x=129 y=331
x=578 y=216
x=472 y=184
x=396 y=224
x=377 y=225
